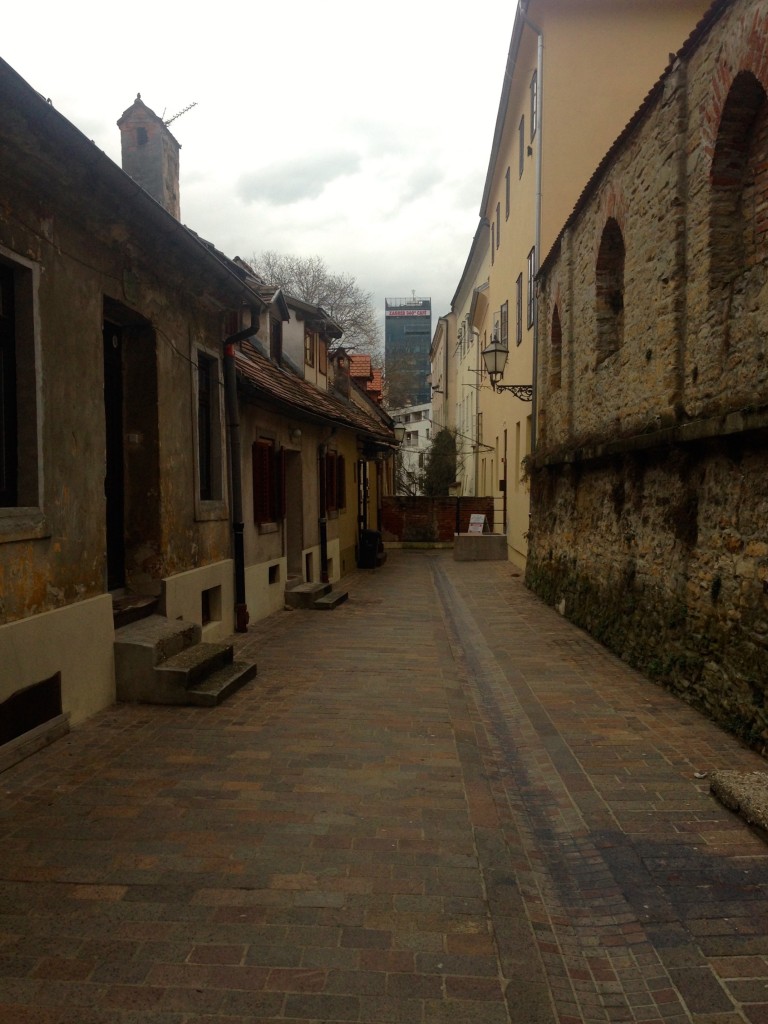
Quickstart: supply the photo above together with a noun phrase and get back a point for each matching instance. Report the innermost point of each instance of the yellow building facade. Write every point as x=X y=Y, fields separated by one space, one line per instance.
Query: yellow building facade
x=576 y=72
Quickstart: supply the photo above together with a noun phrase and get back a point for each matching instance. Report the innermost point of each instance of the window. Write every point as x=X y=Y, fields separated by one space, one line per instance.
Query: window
x=309 y=347
x=534 y=104
x=206 y=403
x=276 y=339
x=498 y=224
x=519 y=309
x=505 y=325
x=19 y=453
x=521 y=145
x=142 y=138
x=322 y=356
x=609 y=288
x=268 y=482
x=8 y=417
x=555 y=352
x=506 y=195
x=531 y=285
x=335 y=482
x=208 y=444
x=493 y=243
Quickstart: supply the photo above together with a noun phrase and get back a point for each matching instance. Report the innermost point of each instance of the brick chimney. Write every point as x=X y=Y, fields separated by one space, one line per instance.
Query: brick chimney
x=151 y=154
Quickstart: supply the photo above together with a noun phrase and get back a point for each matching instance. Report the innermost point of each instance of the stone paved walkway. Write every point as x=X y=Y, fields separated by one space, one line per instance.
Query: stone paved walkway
x=440 y=803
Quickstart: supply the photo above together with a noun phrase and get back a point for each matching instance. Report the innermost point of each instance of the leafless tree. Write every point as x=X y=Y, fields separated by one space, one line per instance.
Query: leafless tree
x=309 y=278
x=402 y=380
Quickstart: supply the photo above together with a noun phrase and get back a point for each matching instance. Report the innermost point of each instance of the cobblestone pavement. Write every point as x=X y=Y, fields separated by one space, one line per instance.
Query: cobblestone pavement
x=440 y=803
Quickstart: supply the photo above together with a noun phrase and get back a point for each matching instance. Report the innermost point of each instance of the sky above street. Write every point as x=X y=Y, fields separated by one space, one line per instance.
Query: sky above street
x=353 y=131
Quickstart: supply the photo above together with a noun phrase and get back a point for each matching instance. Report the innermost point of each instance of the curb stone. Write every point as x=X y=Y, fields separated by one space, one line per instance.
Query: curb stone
x=745 y=793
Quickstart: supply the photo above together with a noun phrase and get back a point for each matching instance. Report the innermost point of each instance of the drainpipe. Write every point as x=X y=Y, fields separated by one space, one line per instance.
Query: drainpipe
x=539 y=128
x=235 y=468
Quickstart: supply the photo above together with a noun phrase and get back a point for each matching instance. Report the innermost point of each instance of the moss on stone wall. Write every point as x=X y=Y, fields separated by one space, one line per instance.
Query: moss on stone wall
x=662 y=559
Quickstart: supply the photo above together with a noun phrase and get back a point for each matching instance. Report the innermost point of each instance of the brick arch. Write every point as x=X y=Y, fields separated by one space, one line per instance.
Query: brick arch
x=745 y=49
x=609 y=290
x=612 y=207
x=738 y=210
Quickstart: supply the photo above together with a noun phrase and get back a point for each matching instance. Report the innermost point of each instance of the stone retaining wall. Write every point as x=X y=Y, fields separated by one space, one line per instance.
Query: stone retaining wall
x=650 y=482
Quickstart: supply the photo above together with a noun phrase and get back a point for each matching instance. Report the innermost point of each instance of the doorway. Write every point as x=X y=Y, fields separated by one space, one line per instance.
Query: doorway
x=114 y=476
x=134 y=554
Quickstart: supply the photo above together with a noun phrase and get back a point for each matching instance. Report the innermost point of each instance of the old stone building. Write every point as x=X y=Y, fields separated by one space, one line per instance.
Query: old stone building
x=650 y=480
x=161 y=450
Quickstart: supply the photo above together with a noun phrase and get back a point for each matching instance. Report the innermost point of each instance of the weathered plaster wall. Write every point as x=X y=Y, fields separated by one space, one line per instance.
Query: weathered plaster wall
x=86 y=252
x=95 y=247
x=649 y=492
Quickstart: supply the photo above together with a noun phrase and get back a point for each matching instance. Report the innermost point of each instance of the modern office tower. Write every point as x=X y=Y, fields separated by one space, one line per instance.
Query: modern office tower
x=407 y=338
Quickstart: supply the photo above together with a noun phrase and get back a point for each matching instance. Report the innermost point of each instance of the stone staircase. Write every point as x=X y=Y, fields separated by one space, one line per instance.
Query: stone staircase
x=319 y=596
x=164 y=661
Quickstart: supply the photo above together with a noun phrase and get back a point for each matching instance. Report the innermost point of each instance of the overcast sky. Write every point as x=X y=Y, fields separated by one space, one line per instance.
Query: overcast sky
x=354 y=131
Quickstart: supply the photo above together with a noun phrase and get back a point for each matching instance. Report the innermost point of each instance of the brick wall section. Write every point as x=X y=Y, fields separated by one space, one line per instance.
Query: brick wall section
x=429 y=520
x=649 y=520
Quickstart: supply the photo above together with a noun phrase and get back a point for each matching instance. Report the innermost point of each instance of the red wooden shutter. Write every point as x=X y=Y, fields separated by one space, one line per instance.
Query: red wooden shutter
x=341 y=483
x=330 y=482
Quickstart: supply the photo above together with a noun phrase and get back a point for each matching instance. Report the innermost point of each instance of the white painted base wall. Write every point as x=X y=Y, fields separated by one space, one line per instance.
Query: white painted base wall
x=264 y=598
x=183 y=598
x=77 y=641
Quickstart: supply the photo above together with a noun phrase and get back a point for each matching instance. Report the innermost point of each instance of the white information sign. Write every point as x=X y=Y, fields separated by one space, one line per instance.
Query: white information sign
x=477 y=523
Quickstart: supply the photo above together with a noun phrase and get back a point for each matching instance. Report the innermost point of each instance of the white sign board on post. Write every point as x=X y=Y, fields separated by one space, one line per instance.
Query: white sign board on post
x=478 y=523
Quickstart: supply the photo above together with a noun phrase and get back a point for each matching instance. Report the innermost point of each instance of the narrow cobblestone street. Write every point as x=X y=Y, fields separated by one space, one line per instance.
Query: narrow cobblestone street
x=440 y=803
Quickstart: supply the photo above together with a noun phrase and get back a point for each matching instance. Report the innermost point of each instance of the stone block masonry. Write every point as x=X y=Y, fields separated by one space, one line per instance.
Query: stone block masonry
x=649 y=486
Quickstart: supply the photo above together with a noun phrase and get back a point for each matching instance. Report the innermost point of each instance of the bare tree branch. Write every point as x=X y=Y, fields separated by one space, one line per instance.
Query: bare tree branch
x=308 y=278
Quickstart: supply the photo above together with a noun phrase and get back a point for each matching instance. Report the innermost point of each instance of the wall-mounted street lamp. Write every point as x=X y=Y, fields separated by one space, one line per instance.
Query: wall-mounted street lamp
x=495 y=359
x=399 y=432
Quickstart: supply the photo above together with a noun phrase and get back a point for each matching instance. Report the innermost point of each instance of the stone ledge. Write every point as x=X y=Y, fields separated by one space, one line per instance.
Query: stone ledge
x=745 y=793
x=739 y=421
x=480 y=547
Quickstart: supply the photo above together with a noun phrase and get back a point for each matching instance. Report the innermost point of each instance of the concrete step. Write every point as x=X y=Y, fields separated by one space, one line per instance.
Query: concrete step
x=330 y=601
x=218 y=686
x=162 y=661
x=156 y=638
x=305 y=594
x=195 y=663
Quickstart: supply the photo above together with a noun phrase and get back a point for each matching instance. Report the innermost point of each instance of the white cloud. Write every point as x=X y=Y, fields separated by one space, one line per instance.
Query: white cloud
x=360 y=134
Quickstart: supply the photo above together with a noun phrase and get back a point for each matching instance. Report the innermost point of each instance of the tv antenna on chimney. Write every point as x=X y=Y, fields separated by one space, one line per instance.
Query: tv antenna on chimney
x=172 y=119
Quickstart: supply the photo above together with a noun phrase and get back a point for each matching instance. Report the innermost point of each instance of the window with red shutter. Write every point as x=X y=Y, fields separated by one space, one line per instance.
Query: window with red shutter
x=341 y=483
x=330 y=482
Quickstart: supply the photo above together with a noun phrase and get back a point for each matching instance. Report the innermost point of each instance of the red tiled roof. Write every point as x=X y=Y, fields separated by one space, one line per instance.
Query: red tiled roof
x=261 y=375
x=360 y=366
x=375 y=387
